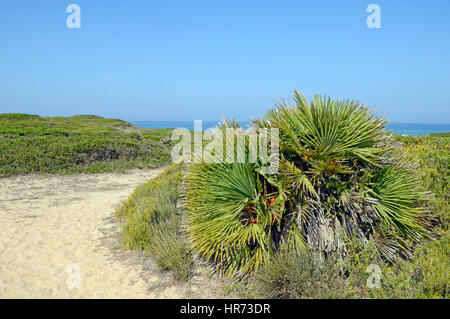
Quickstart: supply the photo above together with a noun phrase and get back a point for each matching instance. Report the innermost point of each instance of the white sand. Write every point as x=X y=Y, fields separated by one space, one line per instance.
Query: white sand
x=49 y=222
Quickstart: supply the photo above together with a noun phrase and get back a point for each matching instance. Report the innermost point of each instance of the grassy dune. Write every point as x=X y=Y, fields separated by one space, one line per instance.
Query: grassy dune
x=443 y=134
x=82 y=143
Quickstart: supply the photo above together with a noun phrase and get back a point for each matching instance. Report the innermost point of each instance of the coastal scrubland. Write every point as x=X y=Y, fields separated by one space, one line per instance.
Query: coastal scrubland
x=151 y=222
x=154 y=220
x=82 y=143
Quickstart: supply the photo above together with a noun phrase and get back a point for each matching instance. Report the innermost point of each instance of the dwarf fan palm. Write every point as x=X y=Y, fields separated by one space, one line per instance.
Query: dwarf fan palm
x=340 y=177
x=236 y=213
x=360 y=185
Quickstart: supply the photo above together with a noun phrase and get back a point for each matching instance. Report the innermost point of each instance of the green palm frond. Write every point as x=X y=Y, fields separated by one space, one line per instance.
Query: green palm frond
x=296 y=178
x=399 y=200
x=233 y=213
x=328 y=129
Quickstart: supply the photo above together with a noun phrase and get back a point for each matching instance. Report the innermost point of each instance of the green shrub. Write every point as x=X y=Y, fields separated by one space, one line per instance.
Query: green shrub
x=340 y=175
x=152 y=222
x=305 y=275
x=170 y=248
x=425 y=275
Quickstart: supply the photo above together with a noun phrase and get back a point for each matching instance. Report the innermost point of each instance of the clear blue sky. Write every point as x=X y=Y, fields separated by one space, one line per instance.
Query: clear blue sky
x=185 y=60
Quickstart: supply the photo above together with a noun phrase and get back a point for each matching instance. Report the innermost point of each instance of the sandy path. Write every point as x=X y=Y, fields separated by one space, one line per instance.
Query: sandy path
x=50 y=222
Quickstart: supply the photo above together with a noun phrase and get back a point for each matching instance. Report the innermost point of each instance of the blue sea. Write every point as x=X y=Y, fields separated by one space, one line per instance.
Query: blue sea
x=414 y=129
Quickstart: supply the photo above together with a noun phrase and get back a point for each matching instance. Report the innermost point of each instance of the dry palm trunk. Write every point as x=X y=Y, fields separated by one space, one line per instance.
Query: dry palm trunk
x=326 y=232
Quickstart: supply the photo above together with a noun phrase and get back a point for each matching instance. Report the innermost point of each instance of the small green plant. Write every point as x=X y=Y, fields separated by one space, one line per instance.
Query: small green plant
x=306 y=275
x=152 y=223
x=170 y=248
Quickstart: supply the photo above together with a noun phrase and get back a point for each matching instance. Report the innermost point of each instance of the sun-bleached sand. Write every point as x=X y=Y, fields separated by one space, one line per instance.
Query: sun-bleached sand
x=49 y=222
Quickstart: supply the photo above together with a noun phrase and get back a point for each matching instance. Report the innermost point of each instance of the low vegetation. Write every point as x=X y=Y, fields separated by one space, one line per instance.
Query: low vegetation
x=83 y=143
x=152 y=222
